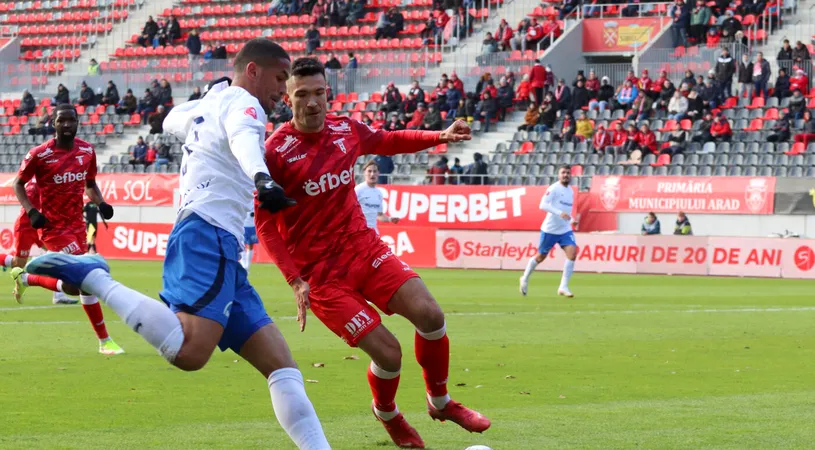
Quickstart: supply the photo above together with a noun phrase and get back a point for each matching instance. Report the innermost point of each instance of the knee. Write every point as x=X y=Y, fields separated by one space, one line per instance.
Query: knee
x=391 y=356
x=431 y=317
x=190 y=361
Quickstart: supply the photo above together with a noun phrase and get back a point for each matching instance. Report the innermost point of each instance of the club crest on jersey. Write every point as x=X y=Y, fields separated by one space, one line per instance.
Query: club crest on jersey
x=289 y=144
x=79 y=158
x=343 y=128
x=250 y=111
x=48 y=152
x=341 y=144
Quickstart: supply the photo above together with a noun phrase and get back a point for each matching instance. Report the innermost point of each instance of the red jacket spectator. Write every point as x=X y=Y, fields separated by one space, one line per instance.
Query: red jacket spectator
x=437 y=172
x=720 y=127
x=799 y=81
x=656 y=85
x=618 y=138
x=647 y=140
x=416 y=120
x=442 y=19
x=524 y=88
x=593 y=84
x=632 y=77
x=535 y=31
x=551 y=26
x=644 y=81
x=151 y=156
x=457 y=83
x=601 y=139
x=492 y=90
x=538 y=76
x=504 y=34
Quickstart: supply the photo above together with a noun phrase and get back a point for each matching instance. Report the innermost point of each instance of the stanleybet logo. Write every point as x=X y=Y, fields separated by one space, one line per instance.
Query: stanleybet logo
x=451 y=249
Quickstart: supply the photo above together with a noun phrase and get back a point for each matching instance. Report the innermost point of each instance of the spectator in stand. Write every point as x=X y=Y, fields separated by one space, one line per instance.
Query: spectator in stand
x=196 y=94
x=713 y=37
x=94 y=69
x=504 y=36
x=432 y=120
x=800 y=82
x=219 y=51
x=151 y=155
x=677 y=141
x=487 y=109
x=725 y=69
x=392 y=98
x=437 y=173
x=644 y=81
x=148 y=32
x=584 y=128
x=745 y=76
x=626 y=96
x=312 y=39
x=332 y=62
x=782 y=85
x=281 y=113
x=782 y=130
x=457 y=83
x=530 y=118
x=551 y=31
x=604 y=96
x=128 y=104
x=720 y=129
x=489 y=45
x=456 y=172
x=682 y=227
x=156 y=120
x=193 y=45
x=785 y=54
x=593 y=84
x=538 y=81
x=547 y=114
x=680 y=22
x=62 y=97
x=476 y=173
x=642 y=107
x=567 y=8
x=601 y=139
x=379 y=120
x=147 y=104
x=534 y=35
x=385 y=164
x=396 y=23
x=454 y=97
x=319 y=14
x=417 y=118
x=619 y=137
x=631 y=147
x=27 y=105
x=800 y=51
x=165 y=93
x=98 y=97
x=161 y=37
x=699 y=18
x=678 y=107
x=647 y=139
x=563 y=95
x=689 y=79
x=489 y=85
x=797 y=105
x=356 y=11
x=334 y=9
x=580 y=96
x=111 y=96
x=761 y=75
x=139 y=152
x=44 y=126
x=808 y=133
x=396 y=123
x=650 y=226
x=709 y=93
x=567 y=130
x=666 y=93
x=704 y=129
x=174 y=30
x=163 y=157
x=408 y=106
x=523 y=91
x=86 y=96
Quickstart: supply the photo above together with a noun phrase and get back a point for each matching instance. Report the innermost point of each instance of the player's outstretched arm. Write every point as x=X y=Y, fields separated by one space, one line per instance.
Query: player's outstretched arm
x=381 y=142
x=95 y=195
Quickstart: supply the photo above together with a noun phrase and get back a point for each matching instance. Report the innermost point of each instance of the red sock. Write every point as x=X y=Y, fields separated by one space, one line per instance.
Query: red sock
x=94 y=313
x=44 y=282
x=3 y=258
x=434 y=357
x=383 y=386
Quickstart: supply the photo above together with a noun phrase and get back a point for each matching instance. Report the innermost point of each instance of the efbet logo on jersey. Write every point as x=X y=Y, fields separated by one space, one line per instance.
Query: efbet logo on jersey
x=341 y=144
x=289 y=144
x=329 y=181
x=70 y=177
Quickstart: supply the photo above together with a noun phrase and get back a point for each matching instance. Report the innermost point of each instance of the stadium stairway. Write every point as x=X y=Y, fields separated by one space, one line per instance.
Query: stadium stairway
x=797 y=26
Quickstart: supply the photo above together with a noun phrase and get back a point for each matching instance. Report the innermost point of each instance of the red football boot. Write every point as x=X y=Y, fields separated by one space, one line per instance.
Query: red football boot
x=466 y=418
x=402 y=434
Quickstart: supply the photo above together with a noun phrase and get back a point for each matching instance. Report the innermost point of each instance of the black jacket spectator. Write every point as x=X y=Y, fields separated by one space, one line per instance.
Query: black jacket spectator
x=477 y=171
x=111 y=96
x=194 y=43
x=173 y=29
x=219 y=51
x=785 y=54
x=165 y=93
x=392 y=100
x=800 y=51
x=432 y=120
x=86 y=96
x=149 y=31
x=156 y=121
x=27 y=105
x=781 y=131
x=798 y=104
x=196 y=94
x=606 y=93
x=128 y=104
x=548 y=115
x=782 y=84
x=62 y=95
x=725 y=68
x=312 y=39
x=580 y=97
x=333 y=63
x=745 y=72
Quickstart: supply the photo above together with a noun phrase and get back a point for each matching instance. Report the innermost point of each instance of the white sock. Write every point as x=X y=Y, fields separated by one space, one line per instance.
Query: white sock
x=8 y=260
x=439 y=402
x=150 y=318
x=249 y=258
x=568 y=268
x=59 y=286
x=294 y=411
x=530 y=267
x=243 y=259
x=88 y=299
x=24 y=279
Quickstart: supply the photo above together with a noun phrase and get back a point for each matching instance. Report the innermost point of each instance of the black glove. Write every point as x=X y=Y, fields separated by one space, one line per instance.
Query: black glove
x=270 y=194
x=105 y=210
x=37 y=219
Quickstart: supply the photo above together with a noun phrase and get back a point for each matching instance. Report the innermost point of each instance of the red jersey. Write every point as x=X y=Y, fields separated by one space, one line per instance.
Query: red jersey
x=326 y=228
x=61 y=175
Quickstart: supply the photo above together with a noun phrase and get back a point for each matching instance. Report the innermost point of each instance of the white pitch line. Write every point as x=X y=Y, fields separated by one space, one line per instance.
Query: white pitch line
x=24 y=308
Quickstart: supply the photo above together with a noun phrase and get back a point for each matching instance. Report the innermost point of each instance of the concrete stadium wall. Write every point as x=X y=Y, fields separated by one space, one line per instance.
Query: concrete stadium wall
x=566 y=56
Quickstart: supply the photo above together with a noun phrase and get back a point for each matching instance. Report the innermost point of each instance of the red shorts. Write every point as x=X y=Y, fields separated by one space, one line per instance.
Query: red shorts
x=71 y=241
x=24 y=238
x=341 y=303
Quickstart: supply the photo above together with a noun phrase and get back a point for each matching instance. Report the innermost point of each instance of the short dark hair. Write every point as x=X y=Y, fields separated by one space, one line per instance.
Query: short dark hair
x=306 y=67
x=262 y=51
x=565 y=166
x=64 y=107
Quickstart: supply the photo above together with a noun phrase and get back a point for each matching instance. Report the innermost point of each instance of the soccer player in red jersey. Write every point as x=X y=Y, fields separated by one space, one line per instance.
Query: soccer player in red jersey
x=334 y=262
x=25 y=237
x=65 y=168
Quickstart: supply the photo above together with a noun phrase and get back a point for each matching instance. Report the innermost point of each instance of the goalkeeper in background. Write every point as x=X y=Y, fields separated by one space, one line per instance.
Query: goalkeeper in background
x=91 y=215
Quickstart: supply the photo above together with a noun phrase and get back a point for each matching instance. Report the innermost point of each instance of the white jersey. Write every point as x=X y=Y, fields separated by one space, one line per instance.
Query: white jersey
x=557 y=199
x=371 y=201
x=224 y=147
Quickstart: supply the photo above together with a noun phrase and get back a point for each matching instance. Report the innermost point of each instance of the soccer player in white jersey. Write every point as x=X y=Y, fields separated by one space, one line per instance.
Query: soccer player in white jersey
x=211 y=302
x=250 y=238
x=370 y=198
x=558 y=202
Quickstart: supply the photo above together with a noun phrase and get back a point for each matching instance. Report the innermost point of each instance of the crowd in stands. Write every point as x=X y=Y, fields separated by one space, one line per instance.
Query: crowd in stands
x=157 y=152
x=699 y=22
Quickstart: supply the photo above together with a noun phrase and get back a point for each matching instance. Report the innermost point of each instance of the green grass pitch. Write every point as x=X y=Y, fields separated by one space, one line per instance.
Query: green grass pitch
x=632 y=362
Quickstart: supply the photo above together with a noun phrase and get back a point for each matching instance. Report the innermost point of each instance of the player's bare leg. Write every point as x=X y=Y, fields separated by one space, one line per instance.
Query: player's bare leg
x=530 y=267
x=269 y=353
x=383 y=377
x=414 y=302
x=568 y=269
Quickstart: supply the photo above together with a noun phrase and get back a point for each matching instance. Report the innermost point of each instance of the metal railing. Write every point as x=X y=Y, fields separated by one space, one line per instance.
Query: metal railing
x=617 y=10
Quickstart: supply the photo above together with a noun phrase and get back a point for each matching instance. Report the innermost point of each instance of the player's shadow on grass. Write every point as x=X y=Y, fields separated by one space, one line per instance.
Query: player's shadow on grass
x=390 y=444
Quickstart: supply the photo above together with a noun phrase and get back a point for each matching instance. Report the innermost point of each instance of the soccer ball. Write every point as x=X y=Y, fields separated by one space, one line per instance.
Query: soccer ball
x=478 y=447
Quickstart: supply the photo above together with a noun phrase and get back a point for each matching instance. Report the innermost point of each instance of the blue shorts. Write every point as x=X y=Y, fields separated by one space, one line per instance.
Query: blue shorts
x=202 y=276
x=250 y=236
x=549 y=240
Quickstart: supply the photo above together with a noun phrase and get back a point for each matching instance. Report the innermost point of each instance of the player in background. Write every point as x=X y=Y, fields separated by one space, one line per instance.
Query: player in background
x=250 y=238
x=211 y=302
x=370 y=198
x=91 y=217
x=334 y=262
x=25 y=237
x=65 y=169
x=558 y=202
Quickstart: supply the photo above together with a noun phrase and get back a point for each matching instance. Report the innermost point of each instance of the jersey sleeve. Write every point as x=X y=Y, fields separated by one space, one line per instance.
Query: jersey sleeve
x=548 y=202
x=245 y=125
x=381 y=142
x=28 y=168
x=92 y=167
x=272 y=241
